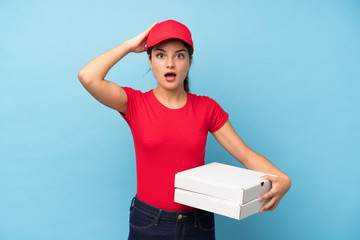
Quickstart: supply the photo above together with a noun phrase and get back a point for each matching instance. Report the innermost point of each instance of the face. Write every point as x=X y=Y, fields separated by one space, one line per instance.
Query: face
x=170 y=62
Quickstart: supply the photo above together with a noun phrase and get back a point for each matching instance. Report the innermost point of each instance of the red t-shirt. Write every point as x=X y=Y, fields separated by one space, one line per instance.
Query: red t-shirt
x=168 y=141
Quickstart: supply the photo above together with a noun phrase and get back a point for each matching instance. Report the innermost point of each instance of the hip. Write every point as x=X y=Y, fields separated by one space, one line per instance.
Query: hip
x=150 y=222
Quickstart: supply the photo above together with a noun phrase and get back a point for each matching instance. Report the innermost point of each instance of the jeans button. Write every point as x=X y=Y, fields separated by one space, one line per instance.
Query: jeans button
x=180 y=216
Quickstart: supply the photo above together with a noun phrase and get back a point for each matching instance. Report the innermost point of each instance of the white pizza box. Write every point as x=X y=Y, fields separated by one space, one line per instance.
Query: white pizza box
x=223 y=181
x=217 y=205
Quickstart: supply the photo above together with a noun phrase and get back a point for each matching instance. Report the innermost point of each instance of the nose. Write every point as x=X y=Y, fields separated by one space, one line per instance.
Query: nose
x=170 y=63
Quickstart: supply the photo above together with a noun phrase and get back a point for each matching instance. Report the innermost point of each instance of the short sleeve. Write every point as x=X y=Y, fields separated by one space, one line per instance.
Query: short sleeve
x=217 y=115
x=131 y=104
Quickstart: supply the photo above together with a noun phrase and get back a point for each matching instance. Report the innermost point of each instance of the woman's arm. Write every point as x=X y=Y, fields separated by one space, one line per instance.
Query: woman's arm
x=230 y=140
x=92 y=74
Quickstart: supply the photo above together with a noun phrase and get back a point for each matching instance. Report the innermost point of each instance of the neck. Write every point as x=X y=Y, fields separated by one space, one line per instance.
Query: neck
x=171 y=98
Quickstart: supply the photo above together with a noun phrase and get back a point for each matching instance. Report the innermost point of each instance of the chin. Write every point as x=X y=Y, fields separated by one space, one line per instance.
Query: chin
x=171 y=86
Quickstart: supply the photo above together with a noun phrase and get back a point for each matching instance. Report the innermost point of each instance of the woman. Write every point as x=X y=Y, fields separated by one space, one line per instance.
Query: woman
x=170 y=126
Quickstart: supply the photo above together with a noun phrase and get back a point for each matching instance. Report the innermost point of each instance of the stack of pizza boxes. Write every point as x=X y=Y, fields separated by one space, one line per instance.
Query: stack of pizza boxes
x=223 y=189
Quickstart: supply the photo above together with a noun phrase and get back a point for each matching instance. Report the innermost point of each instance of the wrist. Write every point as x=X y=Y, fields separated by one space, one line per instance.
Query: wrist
x=128 y=46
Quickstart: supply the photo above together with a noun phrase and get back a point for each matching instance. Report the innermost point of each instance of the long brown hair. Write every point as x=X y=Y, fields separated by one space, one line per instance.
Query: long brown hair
x=190 y=51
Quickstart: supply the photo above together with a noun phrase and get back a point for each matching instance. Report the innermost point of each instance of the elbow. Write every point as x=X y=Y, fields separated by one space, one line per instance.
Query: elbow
x=288 y=181
x=82 y=78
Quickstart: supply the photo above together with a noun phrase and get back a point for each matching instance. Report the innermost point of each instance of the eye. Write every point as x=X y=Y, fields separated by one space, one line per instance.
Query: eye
x=180 y=55
x=159 y=55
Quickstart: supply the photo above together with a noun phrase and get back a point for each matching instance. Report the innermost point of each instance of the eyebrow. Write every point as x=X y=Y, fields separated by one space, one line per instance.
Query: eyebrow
x=180 y=50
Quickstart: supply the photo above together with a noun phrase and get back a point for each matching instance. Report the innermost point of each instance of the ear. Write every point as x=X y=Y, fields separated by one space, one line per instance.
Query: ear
x=150 y=64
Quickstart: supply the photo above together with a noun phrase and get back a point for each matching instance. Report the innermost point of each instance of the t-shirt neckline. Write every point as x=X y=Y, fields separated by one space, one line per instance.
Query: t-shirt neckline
x=170 y=109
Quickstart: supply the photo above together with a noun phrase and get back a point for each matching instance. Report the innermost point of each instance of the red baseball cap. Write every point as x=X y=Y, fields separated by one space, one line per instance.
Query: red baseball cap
x=167 y=30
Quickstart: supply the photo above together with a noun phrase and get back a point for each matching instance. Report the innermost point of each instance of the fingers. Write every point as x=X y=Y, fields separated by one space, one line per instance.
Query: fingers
x=267 y=195
x=149 y=28
x=138 y=43
x=273 y=190
x=274 y=195
x=269 y=177
x=141 y=39
x=273 y=207
x=270 y=206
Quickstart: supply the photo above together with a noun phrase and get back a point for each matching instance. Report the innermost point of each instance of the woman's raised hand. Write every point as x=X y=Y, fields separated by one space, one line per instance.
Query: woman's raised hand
x=137 y=44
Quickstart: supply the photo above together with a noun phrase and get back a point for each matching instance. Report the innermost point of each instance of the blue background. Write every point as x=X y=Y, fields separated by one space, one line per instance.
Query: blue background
x=287 y=72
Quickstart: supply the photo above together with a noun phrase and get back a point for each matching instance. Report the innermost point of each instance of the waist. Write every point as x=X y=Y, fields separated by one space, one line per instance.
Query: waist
x=177 y=216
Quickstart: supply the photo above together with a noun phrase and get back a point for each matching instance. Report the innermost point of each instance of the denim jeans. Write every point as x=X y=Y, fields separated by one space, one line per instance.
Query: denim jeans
x=149 y=222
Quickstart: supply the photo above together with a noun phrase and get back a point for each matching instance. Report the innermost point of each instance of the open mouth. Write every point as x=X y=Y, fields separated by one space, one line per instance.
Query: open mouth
x=170 y=76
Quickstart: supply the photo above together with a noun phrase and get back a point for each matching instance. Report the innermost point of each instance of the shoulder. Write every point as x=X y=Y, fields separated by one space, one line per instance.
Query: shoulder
x=131 y=92
x=199 y=97
x=202 y=99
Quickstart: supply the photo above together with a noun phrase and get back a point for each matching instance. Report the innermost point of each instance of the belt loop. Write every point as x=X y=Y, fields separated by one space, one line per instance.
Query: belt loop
x=132 y=203
x=195 y=218
x=158 y=218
